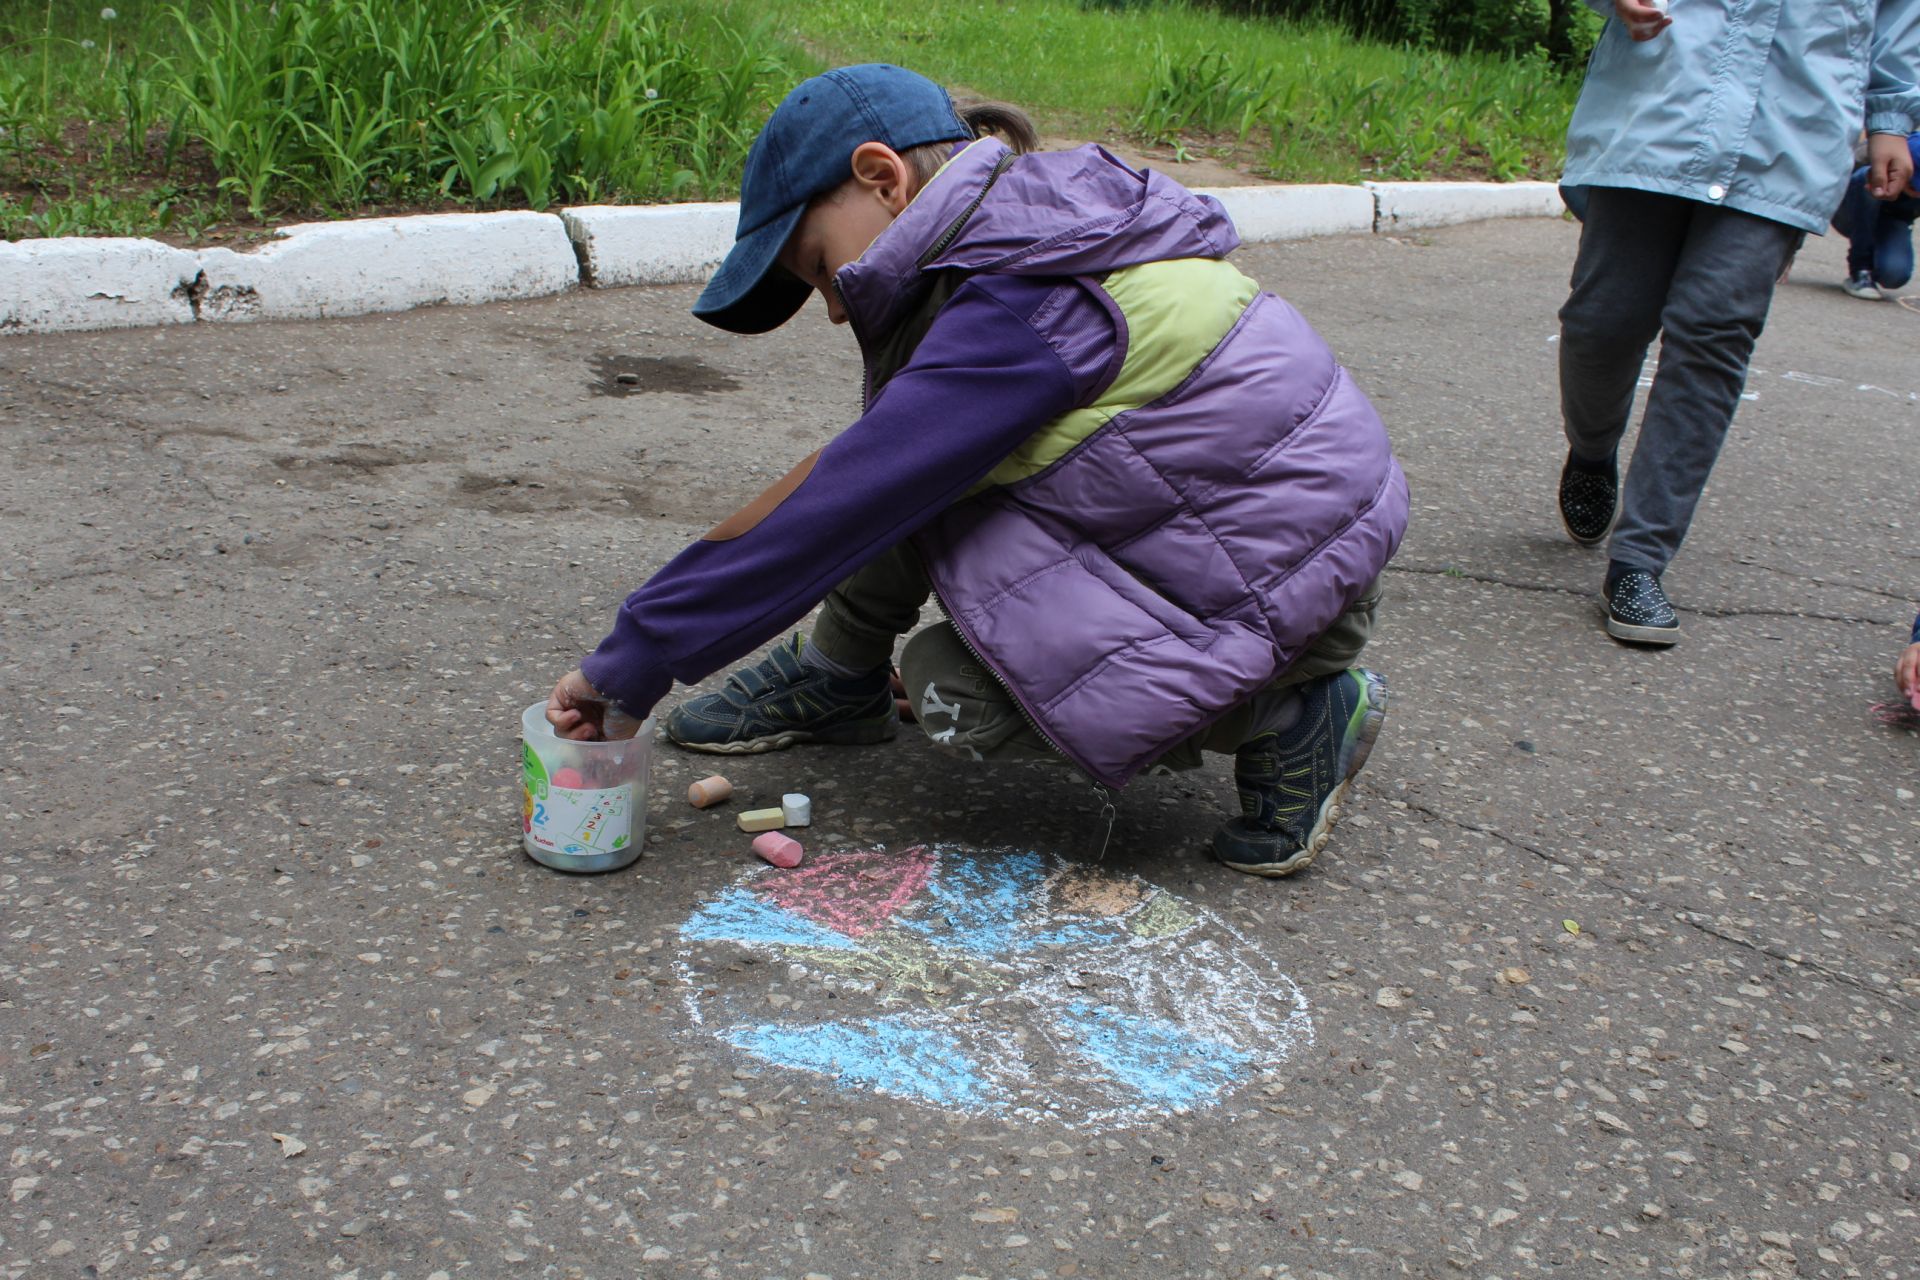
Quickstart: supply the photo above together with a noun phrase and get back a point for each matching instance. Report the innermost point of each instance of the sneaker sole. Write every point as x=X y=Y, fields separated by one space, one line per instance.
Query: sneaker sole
x=1371 y=714
x=1597 y=538
x=850 y=736
x=1659 y=637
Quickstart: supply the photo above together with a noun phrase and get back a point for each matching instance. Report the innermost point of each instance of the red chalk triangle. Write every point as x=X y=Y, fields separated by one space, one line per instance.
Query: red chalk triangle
x=851 y=893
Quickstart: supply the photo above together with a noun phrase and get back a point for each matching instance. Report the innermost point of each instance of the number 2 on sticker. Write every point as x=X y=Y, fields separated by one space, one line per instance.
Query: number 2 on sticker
x=539 y=815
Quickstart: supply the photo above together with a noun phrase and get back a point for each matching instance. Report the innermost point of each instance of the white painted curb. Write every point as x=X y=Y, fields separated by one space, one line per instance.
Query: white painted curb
x=1295 y=212
x=395 y=264
x=1409 y=206
x=113 y=283
x=389 y=264
x=650 y=244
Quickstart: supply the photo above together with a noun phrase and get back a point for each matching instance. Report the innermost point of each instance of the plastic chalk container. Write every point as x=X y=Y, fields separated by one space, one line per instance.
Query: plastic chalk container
x=583 y=804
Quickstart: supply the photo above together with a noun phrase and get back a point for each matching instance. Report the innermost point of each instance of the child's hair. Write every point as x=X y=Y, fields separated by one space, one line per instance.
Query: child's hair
x=982 y=118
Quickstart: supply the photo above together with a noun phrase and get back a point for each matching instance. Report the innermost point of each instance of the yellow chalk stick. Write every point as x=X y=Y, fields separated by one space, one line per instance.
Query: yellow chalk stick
x=762 y=820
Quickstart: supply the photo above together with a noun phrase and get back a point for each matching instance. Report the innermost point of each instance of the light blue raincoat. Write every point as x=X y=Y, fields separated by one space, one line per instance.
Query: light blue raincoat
x=1751 y=104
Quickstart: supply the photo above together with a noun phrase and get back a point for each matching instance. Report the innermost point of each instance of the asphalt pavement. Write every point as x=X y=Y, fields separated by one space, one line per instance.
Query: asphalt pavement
x=1612 y=969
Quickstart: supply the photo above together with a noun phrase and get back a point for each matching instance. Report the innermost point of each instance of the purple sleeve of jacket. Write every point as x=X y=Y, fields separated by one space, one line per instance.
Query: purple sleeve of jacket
x=979 y=383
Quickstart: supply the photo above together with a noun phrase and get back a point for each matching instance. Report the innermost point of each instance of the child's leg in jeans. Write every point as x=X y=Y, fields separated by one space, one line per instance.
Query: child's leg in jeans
x=1893 y=243
x=863 y=616
x=1858 y=219
x=1628 y=247
x=1716 y=306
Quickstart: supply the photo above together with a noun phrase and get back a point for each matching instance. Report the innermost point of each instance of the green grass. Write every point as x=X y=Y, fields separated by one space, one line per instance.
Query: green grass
x=333 y=105
x=180 y=118
x=1300 y=102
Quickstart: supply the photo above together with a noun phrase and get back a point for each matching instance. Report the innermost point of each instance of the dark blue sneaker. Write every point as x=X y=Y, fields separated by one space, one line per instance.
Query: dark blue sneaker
x=1292 y=782
x=779 y=701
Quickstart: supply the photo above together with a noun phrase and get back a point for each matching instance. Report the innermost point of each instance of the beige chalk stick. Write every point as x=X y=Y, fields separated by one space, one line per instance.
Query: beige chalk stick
x=762 y=820
x=709 y=791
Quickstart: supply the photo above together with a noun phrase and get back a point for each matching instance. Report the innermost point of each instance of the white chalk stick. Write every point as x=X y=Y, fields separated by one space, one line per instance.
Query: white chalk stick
x=797 y=809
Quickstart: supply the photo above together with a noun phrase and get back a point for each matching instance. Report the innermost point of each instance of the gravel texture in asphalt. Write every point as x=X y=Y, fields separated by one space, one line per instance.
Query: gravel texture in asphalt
x=1611 y=968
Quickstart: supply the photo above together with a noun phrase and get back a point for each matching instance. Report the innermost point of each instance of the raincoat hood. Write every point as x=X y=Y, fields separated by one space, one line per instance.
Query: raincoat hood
x=1059 y=213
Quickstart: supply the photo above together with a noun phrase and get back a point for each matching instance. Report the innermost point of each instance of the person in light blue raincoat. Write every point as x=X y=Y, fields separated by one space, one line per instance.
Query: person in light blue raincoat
x=1710 y=137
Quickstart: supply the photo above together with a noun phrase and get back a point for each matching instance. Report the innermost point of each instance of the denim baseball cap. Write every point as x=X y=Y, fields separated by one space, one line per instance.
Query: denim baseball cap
x=805 y=151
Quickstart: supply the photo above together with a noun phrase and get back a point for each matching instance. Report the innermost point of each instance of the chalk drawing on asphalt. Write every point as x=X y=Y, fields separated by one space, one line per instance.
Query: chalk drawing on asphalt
x=1825 y=381
x=989 y=980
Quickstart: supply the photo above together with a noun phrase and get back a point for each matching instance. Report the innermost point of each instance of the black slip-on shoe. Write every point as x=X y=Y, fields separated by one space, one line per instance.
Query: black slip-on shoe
x=1639 y=611
x=1589 y=499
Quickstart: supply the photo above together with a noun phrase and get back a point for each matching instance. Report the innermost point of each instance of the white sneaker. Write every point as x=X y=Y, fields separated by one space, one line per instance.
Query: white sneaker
x=1860 y=285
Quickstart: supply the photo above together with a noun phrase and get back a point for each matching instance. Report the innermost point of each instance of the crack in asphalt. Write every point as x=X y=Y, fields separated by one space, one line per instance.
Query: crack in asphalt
x=1451 y=571
x=1684 y=915
x=1704 y=611
x=1895 y=596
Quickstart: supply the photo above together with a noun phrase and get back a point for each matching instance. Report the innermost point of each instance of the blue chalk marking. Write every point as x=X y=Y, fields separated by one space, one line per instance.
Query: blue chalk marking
x=1156 y=1059
x=881 y=1053
x=976 y=902
x=1080 y=934
x=739 y=916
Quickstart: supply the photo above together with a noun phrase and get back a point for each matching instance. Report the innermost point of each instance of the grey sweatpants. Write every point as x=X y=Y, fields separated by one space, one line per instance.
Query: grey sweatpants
x=1700 y=276
x=962 y=706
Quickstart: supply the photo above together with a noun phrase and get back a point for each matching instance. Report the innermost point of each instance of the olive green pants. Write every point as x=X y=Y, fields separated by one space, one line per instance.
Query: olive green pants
x=963 y=707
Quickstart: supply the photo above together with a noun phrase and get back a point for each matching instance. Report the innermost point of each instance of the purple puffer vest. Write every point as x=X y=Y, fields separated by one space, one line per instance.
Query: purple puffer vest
x=1187 y=551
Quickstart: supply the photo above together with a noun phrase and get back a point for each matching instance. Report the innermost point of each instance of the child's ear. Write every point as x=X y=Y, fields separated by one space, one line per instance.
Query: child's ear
x=879 y=169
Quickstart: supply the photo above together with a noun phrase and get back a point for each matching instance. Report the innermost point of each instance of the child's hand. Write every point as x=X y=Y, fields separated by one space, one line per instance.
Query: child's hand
x=581 y=712
x=1889 y=165
x=1645 y=19
x=1907 y=674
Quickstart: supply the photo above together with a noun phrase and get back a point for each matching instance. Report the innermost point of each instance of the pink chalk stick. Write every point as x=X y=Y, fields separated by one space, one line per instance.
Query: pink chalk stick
x=568 y=778
x=781 y=851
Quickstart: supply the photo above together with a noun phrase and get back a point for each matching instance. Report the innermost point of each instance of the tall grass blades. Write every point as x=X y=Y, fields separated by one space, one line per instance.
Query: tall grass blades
x=187 y=110
x=330 y=99
x=1294 y=99
x=329 y=104
x=1210 y=94
x=1382 y=113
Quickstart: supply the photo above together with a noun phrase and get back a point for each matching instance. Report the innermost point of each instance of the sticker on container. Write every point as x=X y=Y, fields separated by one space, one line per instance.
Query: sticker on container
x=575 y=820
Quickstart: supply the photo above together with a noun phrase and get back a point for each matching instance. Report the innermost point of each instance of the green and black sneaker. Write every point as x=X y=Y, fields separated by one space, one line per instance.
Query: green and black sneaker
x=780 y=701
x=1292 y=782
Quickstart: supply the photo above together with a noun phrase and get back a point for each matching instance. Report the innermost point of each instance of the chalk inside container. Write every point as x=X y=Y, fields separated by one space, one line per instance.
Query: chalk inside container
x=583 y=804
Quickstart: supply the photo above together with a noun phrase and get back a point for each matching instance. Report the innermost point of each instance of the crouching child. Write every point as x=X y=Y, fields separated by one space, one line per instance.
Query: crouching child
x=1152 y=506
